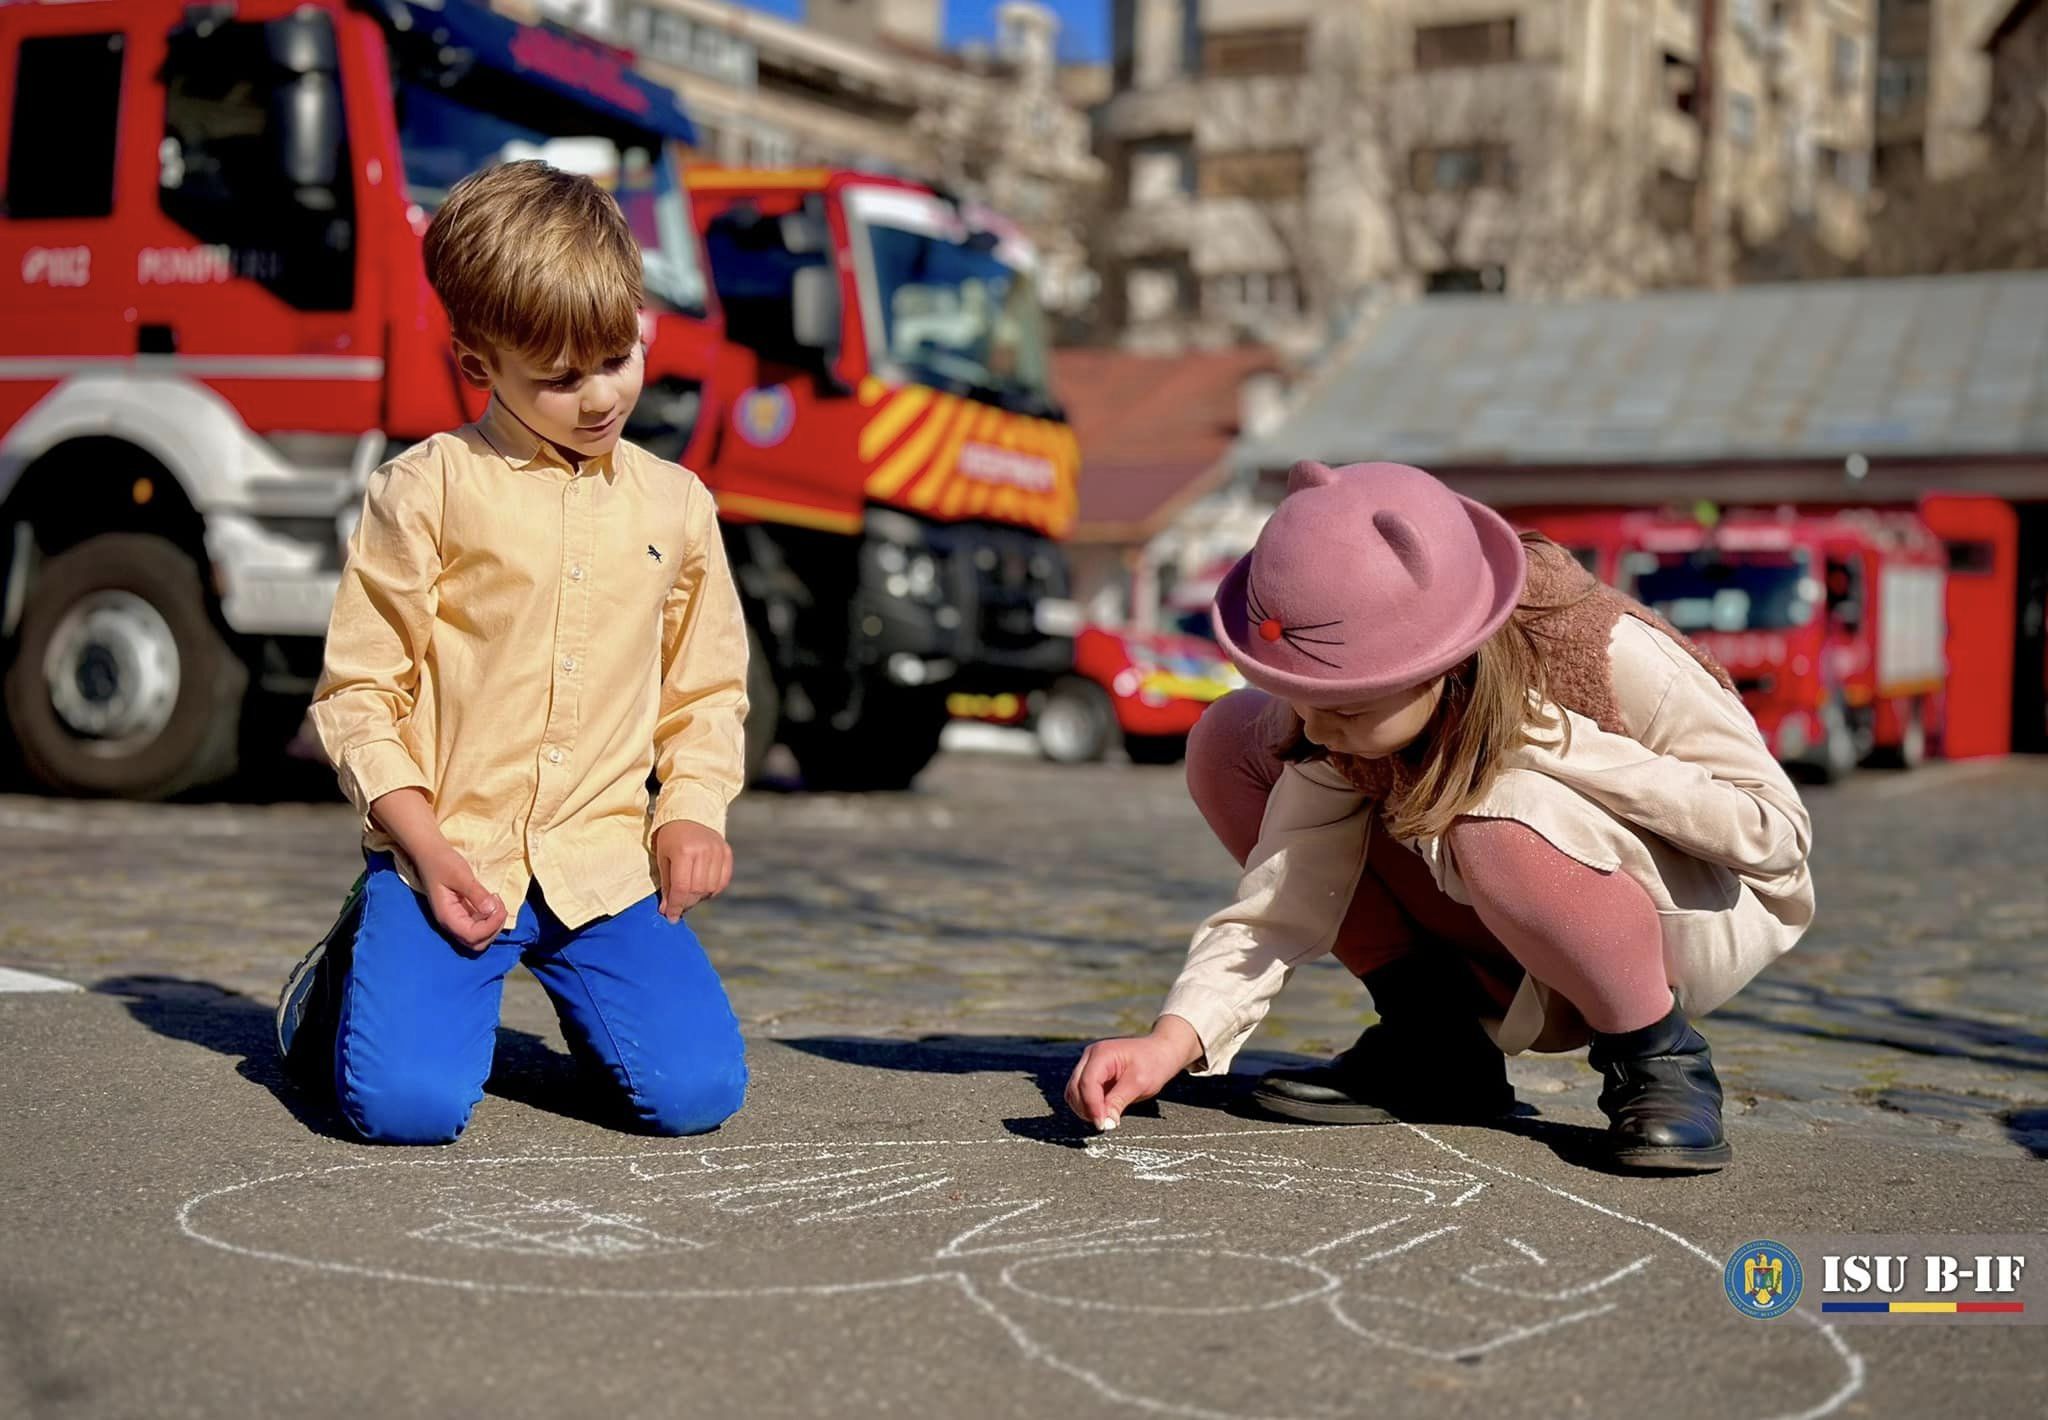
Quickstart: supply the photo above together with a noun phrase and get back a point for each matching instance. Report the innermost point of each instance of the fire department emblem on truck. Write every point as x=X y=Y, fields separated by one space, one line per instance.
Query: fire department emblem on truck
x=764 y=416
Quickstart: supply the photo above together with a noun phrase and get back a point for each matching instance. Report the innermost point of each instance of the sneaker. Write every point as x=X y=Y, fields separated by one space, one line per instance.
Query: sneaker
x=309 y=1007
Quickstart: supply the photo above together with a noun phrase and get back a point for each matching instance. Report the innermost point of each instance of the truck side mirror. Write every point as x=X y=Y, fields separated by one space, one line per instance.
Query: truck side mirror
x=814 y=308
x=309 y=129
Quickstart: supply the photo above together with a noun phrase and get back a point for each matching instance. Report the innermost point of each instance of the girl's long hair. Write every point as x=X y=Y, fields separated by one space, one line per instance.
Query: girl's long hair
x=1489 y=708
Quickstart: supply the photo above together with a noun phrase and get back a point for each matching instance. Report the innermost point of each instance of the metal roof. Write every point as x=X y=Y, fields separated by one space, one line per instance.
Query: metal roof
x=1810 y=370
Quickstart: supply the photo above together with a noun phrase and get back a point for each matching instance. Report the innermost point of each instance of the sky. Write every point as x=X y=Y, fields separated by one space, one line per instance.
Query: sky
x=1084 y=24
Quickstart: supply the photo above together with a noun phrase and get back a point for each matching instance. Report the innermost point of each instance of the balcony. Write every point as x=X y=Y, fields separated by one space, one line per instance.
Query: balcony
x=1151 y=113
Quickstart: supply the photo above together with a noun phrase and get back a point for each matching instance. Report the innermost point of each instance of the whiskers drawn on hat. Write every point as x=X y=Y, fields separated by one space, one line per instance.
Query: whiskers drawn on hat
x=1271 y=629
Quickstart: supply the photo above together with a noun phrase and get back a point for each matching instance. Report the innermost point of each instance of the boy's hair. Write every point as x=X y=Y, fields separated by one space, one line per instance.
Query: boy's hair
x=539 y=262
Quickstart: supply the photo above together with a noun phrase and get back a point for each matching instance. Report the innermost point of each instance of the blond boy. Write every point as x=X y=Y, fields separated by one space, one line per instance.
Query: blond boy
x=534 y=618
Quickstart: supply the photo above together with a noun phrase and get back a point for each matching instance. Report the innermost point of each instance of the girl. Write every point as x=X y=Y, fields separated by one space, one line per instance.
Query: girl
x=1520 y=806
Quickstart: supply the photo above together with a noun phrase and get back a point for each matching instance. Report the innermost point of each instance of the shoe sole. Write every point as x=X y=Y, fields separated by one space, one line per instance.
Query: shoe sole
x=1309 y=1112
x=1651 y=1159
x=295 y=986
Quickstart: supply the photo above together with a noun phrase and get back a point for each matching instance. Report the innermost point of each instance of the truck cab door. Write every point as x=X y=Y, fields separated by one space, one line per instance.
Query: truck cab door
x=69 y=95
x=247 y=277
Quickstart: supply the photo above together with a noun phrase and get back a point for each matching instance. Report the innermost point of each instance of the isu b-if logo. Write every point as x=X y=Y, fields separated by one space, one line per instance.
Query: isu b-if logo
x=1762 y=1279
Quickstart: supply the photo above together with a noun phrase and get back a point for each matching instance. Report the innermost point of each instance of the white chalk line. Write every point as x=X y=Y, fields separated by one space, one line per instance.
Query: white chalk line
x=1852 y=1361
x=1033 y=1350
x=1327 y=1282
x=1398 y=1248
x=14 y=979
x=1354 y=1235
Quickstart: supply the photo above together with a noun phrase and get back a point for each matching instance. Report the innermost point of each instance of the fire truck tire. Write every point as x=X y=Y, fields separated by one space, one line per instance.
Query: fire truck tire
x=885 y=750
x=1838 y=753
x=122 y=686
x=1156 y=749
x=1077 y=723
x=764 y=706
x=1911 y=750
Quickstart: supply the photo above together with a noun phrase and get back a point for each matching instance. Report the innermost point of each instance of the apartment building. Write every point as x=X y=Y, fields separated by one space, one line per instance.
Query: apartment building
x=867 y=83
x=1273 y=162
x=1933 y=87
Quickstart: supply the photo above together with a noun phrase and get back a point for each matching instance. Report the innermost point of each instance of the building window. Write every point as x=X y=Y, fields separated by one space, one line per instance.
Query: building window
x=1251 y=297
x=1901 y=84
x=1900 y=162
x=1271 y=176
x=1741 y=119
x=1847 y=66
x=1467 y=281
x=72 y=174
x=1237 y=54
x=1458 y=46
x=1161 y=170
x=1461 y=169
x=1681 y=83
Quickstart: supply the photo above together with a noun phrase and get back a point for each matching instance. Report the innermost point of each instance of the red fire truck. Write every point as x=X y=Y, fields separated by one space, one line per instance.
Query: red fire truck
x=218 y=324
x=1831 y=623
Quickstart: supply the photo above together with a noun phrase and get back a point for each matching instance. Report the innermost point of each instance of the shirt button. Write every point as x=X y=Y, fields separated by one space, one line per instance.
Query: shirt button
x=554 y=756
x=568 y=663
x=576 y=573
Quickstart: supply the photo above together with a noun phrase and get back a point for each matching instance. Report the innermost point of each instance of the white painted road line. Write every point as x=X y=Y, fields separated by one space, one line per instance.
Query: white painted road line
x=12 y=980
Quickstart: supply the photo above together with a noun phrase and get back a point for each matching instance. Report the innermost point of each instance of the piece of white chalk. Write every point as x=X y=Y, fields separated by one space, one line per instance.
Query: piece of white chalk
x=1105 y=1124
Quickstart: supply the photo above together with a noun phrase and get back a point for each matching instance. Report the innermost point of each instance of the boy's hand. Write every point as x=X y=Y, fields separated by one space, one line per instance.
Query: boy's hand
x=1113 y=1075
x=696 y=863
x=466 y=910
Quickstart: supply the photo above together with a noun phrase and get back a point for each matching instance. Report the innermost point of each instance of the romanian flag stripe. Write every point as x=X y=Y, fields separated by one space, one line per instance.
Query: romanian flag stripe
x=1927 y=1308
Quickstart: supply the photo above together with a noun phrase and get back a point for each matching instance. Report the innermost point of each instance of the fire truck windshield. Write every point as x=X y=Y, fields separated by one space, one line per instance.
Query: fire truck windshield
x=1720 y=592
x=955 y=315
x=448 y=133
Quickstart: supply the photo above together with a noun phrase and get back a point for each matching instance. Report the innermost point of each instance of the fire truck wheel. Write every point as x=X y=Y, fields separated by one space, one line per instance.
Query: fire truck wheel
x=1156 y=749
x=1838 y=754
x=1076 y=723
x=121 y=684
x=1911 y=750
x=764 y=706
x=896 y=736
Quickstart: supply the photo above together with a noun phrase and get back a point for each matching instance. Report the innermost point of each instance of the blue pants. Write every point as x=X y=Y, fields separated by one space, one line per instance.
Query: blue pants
x=638 y=1000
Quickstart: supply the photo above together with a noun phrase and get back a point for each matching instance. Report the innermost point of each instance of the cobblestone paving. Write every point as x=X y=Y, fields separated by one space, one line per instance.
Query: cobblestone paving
x=1009 y=902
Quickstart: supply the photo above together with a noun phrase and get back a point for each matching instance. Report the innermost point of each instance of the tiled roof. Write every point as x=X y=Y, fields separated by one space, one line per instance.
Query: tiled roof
x=1152 y=428
x=1897 y=368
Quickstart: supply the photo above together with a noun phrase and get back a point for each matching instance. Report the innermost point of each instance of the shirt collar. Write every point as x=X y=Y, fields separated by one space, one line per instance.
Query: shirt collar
x=519 y=446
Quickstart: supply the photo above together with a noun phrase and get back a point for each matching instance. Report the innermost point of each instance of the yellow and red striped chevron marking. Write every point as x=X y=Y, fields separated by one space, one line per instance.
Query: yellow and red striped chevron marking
x=957 y=458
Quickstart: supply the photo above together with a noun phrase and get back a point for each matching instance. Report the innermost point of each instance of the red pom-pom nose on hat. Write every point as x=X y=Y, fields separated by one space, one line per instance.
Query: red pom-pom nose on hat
x=1271 y=629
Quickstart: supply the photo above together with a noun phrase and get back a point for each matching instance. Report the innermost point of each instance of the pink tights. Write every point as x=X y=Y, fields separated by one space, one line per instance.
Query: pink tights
x=1592 y=937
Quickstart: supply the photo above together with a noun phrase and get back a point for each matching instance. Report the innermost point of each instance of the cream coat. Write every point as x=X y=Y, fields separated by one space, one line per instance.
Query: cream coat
x=1690 y=803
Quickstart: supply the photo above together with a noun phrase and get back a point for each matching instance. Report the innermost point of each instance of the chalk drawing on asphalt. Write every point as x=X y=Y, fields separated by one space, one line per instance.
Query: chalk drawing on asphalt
x=1450 y=1264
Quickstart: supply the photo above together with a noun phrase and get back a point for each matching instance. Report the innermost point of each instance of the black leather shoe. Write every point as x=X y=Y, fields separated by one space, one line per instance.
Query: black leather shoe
x=1426 y=1061
x=1662 y=1098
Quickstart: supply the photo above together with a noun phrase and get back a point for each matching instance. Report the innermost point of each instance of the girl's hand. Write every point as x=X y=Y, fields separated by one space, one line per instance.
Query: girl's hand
x=696 y=863
x=1113 y=1075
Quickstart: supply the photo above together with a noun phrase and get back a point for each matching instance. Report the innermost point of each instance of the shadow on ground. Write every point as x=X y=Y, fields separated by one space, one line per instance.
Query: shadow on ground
x=1818 y=1013
x=526 y=1069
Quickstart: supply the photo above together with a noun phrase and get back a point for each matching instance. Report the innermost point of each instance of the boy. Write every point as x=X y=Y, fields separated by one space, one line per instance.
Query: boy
x=534 y=617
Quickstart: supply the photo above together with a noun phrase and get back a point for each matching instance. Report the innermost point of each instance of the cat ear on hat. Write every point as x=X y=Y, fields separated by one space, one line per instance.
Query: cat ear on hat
x=1310 y=474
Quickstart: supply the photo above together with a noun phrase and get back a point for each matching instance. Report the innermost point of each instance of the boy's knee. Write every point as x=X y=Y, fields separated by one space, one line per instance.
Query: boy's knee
x=413 y=1107
x=692 y=1103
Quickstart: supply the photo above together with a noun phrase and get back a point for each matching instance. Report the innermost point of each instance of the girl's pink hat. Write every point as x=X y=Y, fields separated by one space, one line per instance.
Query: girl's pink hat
x=1366 y=580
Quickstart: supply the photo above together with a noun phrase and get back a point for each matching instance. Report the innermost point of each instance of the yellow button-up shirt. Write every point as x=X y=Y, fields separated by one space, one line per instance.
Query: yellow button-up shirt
x=528 y=641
